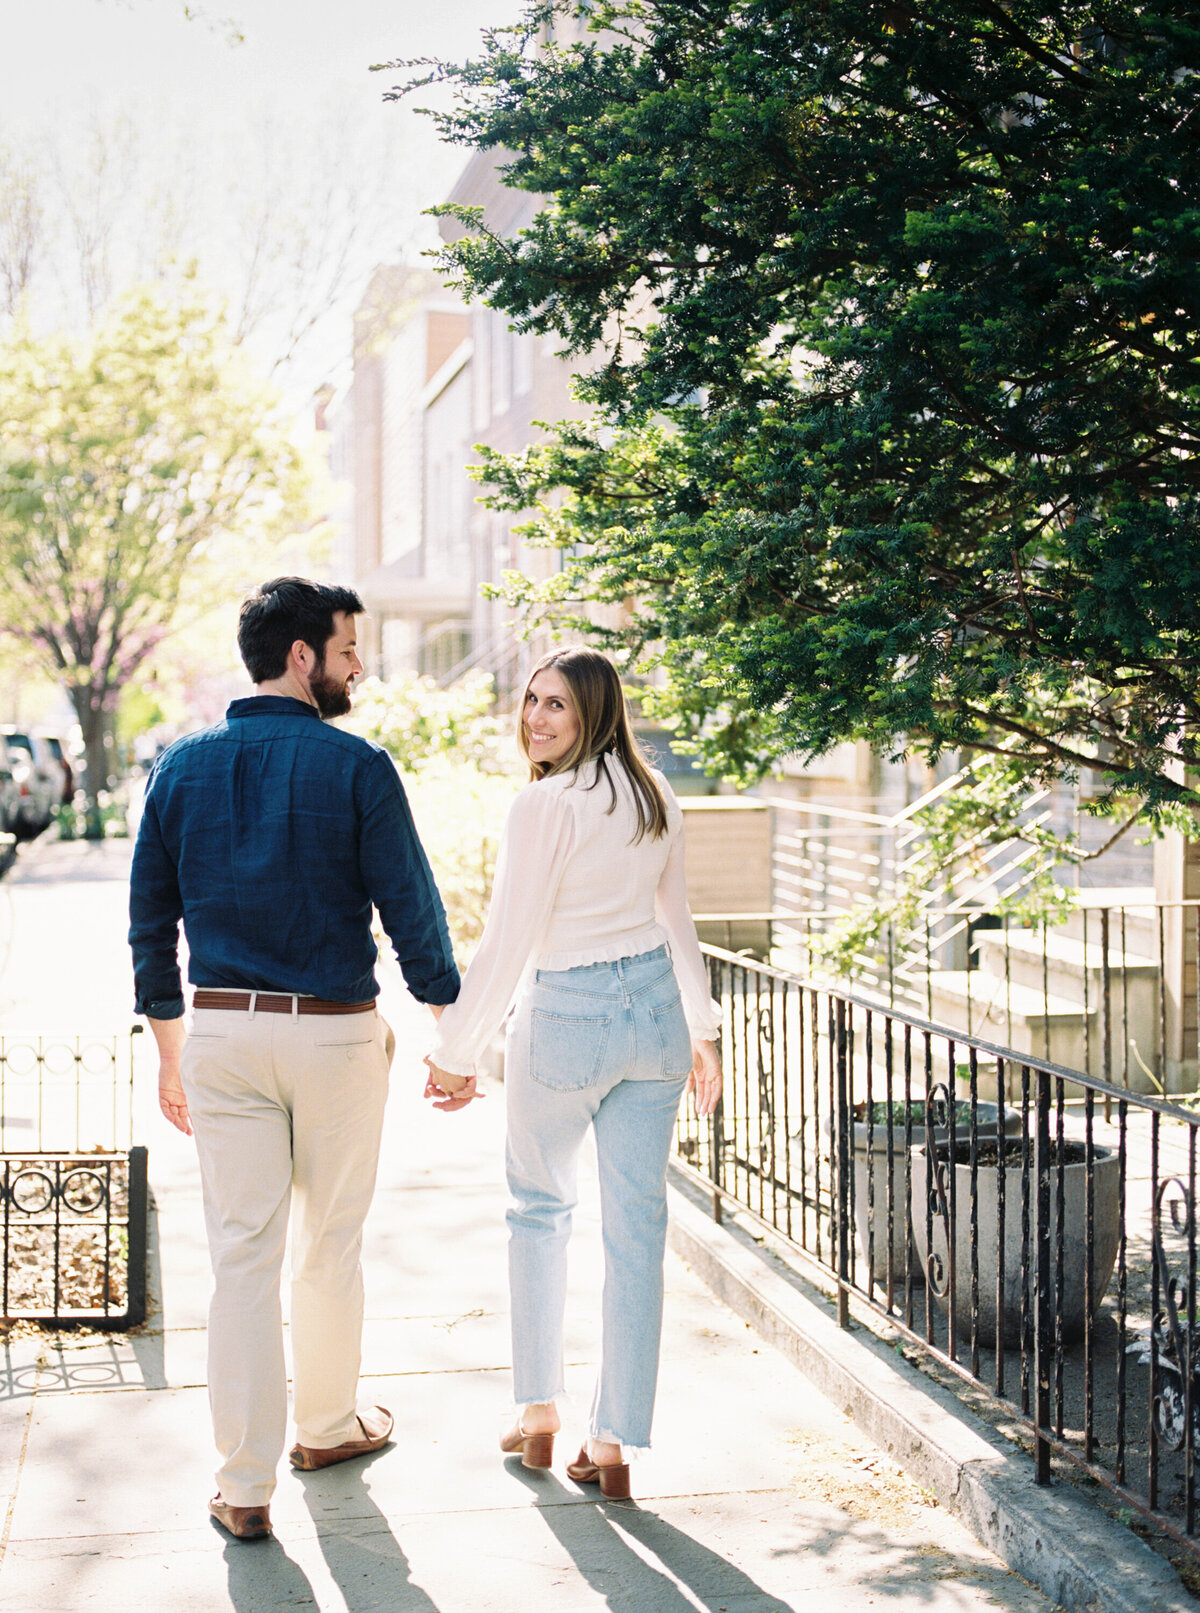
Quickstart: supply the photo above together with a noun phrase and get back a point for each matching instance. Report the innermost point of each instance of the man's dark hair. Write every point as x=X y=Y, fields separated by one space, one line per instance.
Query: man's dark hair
x=283 y=610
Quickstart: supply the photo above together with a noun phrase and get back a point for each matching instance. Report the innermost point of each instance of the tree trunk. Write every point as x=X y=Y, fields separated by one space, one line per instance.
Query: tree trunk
x=93 y=727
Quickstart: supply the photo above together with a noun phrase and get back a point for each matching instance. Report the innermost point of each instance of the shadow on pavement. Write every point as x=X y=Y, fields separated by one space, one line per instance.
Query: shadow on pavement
x=594 y=1537
x=364 y=1558
x=147 y=1341
x=53 y=1361
x=252 y=1565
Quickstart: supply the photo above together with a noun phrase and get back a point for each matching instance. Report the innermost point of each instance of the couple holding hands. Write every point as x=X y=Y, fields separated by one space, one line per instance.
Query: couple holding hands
x=271 y=836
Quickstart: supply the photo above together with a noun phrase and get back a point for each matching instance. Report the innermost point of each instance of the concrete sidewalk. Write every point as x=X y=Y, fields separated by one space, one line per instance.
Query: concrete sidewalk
x=758 y=1496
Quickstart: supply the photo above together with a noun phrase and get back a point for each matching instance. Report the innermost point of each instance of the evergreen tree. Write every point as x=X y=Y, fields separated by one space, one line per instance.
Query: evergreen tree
x=891 y=316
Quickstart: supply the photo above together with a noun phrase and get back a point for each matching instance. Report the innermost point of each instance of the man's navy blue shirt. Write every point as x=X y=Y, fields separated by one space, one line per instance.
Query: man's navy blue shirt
x=271 y=835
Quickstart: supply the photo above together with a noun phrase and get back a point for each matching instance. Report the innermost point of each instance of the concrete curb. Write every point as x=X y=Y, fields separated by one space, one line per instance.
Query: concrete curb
x=1077 y=1556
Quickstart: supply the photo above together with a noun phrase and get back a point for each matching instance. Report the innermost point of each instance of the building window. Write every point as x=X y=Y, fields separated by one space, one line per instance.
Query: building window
x=502 y=366
x=522 y=347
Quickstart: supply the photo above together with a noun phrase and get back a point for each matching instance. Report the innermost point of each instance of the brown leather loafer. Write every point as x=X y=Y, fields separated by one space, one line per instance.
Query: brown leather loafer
x=377 y=1430
x=243 y=1523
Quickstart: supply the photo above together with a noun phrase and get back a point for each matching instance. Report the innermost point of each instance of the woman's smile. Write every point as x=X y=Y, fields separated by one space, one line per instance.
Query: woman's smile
x=551 y=724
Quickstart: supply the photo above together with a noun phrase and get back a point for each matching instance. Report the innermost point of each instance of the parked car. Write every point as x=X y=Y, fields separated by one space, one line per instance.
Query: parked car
x=39 y=781
x=58 y=751
x=10 y=808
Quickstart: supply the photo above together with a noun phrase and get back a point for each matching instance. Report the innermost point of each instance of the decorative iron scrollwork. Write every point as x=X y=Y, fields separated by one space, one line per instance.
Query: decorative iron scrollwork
x=939 y=1107
x=84 y=1192
x=33 y=1190
x=1169 y=1335
x=765 y=1028
x=30 y=1192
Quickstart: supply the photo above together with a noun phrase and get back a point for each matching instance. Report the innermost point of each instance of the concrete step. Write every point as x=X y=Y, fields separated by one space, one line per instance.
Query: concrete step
x=1137 y=904
x=1059 y=962
x=1053 y=1027
x=988 y=997
x=1020 y=1017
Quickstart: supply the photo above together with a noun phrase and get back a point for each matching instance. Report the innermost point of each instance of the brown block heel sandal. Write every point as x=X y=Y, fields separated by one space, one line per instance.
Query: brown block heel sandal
x=613 y=1477
x=537 y=1450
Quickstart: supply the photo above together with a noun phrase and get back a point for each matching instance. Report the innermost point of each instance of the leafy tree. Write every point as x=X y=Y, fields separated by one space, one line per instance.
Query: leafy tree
x=127 y=456
x=894 y=321
x=228 y=26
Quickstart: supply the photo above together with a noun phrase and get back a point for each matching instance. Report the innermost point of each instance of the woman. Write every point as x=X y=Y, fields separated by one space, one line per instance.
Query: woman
x=611 y=1027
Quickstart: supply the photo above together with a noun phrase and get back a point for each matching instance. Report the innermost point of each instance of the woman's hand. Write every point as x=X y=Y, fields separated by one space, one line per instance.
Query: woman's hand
x=457 y=1090
x=707 y=1078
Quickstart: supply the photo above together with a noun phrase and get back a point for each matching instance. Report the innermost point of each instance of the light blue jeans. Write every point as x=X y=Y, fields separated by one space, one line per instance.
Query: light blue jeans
x=604 y=1045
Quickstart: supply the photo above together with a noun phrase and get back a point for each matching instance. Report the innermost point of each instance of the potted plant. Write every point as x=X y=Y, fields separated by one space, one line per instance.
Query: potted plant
x=904 y=1122
x=931 y=1232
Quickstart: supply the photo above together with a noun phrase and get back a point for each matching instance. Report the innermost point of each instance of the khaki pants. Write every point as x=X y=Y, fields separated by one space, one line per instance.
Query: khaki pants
x=288 y=1113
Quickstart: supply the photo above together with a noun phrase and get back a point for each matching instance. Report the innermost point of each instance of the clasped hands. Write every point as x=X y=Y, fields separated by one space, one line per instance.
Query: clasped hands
x=704 y=1083
x=456 y=1091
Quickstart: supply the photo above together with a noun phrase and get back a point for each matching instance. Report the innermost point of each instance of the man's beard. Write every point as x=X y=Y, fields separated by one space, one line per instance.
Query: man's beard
x=332 y=698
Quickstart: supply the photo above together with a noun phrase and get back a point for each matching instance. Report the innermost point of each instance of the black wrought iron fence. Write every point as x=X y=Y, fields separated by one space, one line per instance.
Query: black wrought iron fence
x=1111 y=990
x=73 y=1187
x=1030 y=1228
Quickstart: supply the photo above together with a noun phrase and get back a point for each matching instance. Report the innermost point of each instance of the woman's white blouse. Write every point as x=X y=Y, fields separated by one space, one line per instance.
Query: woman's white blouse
x=572 y=887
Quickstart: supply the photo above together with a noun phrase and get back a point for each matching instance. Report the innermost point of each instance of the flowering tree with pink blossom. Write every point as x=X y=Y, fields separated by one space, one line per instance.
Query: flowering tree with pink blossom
x=129 y=456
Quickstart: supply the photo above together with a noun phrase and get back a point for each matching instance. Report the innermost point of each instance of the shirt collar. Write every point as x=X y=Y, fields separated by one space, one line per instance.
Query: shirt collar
x=271 y=705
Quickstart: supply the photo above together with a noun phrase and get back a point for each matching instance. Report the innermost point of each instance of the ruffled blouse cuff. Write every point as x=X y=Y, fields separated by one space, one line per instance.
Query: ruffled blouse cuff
x=451 y=1066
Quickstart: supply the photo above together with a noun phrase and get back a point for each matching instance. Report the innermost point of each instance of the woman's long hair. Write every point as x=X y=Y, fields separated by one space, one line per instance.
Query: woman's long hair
x=604 y=730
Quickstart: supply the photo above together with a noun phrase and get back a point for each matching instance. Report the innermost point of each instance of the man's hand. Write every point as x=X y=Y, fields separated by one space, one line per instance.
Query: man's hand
x=172 y=1101
x=707 y=1078
x=457 y=1090
x=170 y=1034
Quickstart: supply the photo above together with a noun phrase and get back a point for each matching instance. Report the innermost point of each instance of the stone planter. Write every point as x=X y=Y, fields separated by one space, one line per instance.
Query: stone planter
x=870 y=1146
x=1106 y=1235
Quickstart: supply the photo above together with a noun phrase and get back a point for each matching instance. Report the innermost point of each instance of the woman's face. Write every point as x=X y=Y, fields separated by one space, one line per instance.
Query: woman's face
x=551 y=725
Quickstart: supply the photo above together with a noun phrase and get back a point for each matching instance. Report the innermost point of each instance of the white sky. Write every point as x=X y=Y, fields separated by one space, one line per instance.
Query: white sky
x=304 y=65
x=52 y=52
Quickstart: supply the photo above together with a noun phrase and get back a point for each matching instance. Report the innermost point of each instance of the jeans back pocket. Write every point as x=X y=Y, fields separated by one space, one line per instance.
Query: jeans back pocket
x=674 y=1039
x=566 y=1051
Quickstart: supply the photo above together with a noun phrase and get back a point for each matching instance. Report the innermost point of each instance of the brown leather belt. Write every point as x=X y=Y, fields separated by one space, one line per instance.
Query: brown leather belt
x=274 y=1002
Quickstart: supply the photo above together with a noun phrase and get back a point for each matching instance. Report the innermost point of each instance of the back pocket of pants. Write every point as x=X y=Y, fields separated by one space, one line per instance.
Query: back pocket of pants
x=346 y=1039
x=674 y=1038
x=566 y=1051
x=348 y=1044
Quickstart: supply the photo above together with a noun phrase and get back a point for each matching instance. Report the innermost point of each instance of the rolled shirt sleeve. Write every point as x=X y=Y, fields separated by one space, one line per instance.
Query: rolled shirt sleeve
x=538 y=839
x=155 y=911
x=397 y=875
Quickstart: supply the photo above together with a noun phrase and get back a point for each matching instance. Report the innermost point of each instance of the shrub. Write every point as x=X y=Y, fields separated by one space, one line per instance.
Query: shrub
x=460 y=770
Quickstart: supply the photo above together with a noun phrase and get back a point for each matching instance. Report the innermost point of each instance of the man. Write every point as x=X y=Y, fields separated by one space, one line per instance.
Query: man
x=271 y=836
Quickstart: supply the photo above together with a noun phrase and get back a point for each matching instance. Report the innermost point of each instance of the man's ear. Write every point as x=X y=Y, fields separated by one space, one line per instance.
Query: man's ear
x=302 y=656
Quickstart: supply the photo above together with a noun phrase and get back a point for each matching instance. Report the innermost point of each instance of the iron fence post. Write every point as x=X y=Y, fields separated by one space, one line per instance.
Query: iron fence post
x=1042 y=1308
x=1106 y=1011
x=841 y=1121
x=139 y=1225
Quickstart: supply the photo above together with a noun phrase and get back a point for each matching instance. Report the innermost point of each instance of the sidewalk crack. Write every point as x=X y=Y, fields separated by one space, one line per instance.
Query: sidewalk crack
x=12 y=1500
